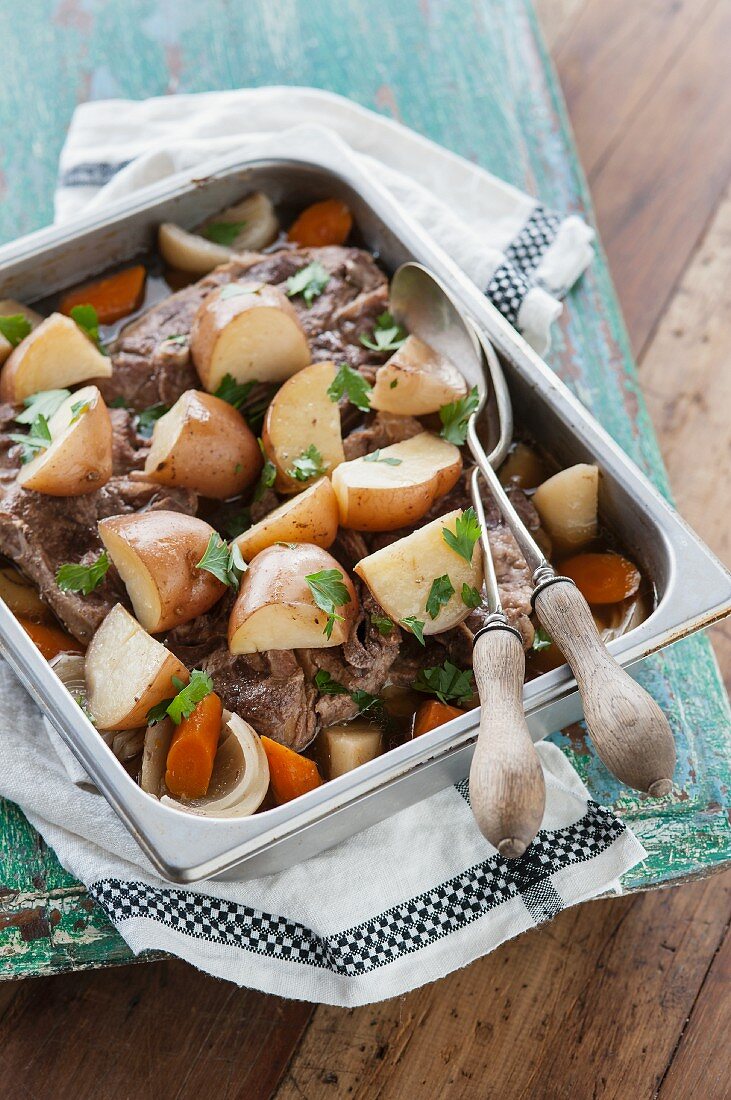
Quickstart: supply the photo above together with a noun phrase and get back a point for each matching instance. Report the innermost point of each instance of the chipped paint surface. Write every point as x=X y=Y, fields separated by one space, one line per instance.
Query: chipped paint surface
x=472 y=77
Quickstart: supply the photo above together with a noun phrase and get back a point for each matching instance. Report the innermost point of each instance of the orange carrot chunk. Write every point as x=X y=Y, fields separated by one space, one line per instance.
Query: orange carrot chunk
x=327 y=222
x=112 y=298
x=193 y=749
x=51 y=640
x=602 y=578
x=431 y=714
x=290 y=774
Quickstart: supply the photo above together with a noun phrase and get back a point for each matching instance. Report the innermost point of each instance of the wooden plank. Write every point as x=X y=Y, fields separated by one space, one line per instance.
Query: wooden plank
x=590 y=1005
x=557 y=19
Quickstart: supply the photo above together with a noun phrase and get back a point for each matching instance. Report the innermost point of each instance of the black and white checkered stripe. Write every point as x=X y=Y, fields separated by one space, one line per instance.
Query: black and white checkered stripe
x=399 y=931
x=515 y=276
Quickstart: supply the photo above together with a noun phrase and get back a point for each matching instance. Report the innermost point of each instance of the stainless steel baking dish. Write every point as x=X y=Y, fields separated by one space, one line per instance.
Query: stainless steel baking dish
x=692 y=588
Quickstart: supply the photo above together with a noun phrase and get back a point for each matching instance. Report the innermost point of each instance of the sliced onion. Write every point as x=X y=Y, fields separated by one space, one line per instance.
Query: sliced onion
x=69 y=667
x=189 y=252
x=154 y=756
x=260 y=223
x=240 y=778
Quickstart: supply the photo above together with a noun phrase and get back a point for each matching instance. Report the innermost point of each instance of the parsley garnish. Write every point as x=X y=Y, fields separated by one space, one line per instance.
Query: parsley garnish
x=15 y=327
x=307 y=465
x=117 y=403
x=416 y=626
x=375 y=456
x=387 y=335
x=328 y=592
x=235 y=290
x=382 y=623
x=83 y=578
x=454 y=417
x=267 y=477
x=146 y=420
x=38 y=439
x=310 y=282
x=446 y=682
x=224 y=233
x=471 y=597
x=223 y=561
x=365 y=701
x=440 y=594
x=177 y=338
x=326 y=685
x=353 y=385
x=183 y=704
x=233 y=392
x=43 y=403
x=87 y=319
x=541 y=640
x=466 y=533
x=78 y=409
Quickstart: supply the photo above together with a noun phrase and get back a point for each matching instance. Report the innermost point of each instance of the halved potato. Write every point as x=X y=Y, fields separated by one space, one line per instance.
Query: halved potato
x=568 y=506
x=275 y=607
x=399 y=487
x=188 y=251
x=78 y=459
x=349 y=745
x=127 y=673
x=56 y=355
x=256 y=217
x=302 y=415
x=9 y=307
x=310 y=517
x=203 y=443
x=400 y=575
x=416 y=380
x=249 y=330
x=156 y=554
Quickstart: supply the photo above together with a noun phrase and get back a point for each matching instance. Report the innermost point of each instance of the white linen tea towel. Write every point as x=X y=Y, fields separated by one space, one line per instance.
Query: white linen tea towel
x=423 y=893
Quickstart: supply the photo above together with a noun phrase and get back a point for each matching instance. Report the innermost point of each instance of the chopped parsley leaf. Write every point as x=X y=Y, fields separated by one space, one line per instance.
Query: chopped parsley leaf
x=351 y=384
x=223 y=561
x=471 y=597
x=38 y=439
x=382 y=623
x=183 y=704
x=416 y=626
x=43 y=403
x=388 y=335
x=326 y=685
x=224 y=233
x=233 y=392
x=454 y=417
x=87 y=319
x=541 y=640
x=83 y=578
x=145 y=421
x=307 y=465
x=466 y=533
x=328 y=592
x=440 y=594
x=310 y=282
x=447 y=682
x=375 y=456
x=15 y=327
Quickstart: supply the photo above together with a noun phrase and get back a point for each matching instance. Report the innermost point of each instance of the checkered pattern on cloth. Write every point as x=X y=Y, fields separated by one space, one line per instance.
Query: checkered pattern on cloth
x=515 y=276
x=401 y=930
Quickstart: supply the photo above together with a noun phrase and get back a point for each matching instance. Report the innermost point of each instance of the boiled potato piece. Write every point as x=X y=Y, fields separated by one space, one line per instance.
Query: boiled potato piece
x=256 y=217
x=250 y=331
x=400 y=575
x=56 y=355
x=568 y=506
x=9 y=307
x=156 y=554
x=275 y=607
x=203 y=443
x=78 y=459
x=416 y=380
x=349 y=745
x=400 y=487
x=127 y=673
x=310 y=517
x=189 y=252
x=302 y=415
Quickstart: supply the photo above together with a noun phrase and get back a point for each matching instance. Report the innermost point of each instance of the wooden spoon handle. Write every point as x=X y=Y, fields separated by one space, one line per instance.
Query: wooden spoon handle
x=507 y=789
x=630 y=732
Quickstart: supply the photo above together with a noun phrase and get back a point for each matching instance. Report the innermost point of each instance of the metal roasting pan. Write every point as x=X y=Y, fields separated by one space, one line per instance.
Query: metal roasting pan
x=692 y=588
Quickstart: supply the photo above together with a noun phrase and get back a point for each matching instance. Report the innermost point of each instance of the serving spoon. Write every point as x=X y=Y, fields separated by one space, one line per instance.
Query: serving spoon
x=630 y=732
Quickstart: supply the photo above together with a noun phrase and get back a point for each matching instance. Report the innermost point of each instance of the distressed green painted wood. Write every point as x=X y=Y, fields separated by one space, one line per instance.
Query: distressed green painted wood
x=473 y=77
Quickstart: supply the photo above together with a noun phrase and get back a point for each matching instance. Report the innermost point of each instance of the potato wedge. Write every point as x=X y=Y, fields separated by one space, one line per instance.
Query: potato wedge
x=54 y=356
x=250 y=331
x=300 y=416
x=416 y=380
x=78 y=459
x=256 y=218
x=399 y=487
x=310 y=517
x=349 y=745
x=8 y=308
x=400 y=576
x=203 y=443
x=189 y=252
x=127 y=673
x=568 y=506
x=156 y=554
x=276 y=609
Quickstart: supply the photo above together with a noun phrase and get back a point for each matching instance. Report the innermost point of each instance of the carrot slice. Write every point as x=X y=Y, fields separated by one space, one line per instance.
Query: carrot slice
x=51 y=640
x=323 y=223
x=431 y=714
x=193 y=749
x=112 y=298
x=602 y=578
x=289 y=773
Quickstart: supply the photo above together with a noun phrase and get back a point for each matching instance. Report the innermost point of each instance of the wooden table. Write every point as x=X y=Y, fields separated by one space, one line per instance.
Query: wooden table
x=619 y=998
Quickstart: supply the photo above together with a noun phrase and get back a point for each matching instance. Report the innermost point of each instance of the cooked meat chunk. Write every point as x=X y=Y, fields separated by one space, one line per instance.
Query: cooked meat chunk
x=40 y=533
x=129 y=450
x=380 y=431
x=149 y=367
x=9 y=451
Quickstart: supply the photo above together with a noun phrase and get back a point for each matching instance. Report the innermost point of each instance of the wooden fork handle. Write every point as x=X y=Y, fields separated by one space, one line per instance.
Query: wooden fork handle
x=507 y=789
x=631 y=734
